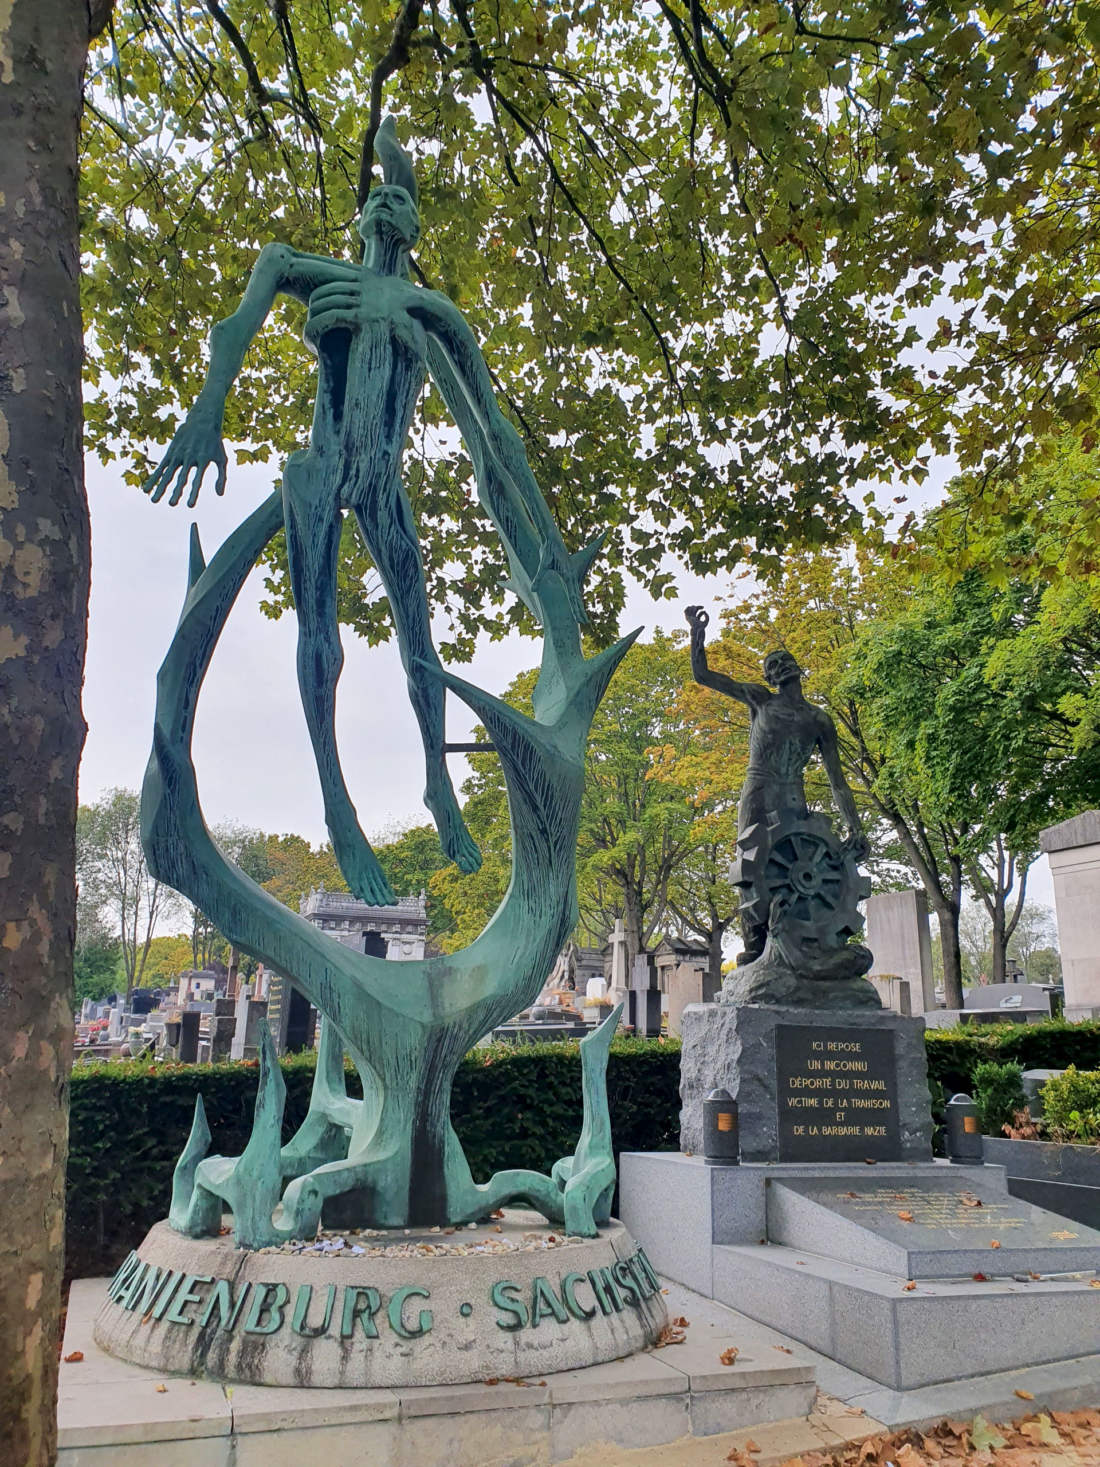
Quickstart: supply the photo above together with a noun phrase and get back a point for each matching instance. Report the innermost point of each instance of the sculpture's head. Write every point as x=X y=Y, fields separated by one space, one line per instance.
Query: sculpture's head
x=780 y=667
x=391 y=209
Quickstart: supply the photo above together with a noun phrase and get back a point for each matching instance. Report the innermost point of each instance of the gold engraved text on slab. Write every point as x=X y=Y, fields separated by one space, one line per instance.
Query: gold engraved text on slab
x=935 y=1209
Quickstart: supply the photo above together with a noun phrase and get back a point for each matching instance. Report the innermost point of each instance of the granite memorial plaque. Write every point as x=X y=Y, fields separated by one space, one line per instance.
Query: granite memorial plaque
x=836 y=1093
x=927 y=1227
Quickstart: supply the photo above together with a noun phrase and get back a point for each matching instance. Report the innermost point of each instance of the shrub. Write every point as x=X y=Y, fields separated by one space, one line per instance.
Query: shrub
x=1071 y=1106
x=999 y=1094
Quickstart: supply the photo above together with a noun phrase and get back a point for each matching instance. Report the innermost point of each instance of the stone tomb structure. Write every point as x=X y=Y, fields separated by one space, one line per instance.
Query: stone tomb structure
x=838 y=1227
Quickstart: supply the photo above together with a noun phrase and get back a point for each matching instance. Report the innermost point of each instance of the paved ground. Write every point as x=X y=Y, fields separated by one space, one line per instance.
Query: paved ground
x=841 y=1433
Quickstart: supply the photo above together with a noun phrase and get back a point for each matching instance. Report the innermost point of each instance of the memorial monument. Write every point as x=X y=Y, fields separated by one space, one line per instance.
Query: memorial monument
x=386 y=1171
x=872 y=1252
x=799 y=1037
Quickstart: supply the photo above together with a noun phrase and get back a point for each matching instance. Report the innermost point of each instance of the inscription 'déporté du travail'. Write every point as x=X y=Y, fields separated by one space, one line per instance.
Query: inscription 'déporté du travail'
x=836 y=1094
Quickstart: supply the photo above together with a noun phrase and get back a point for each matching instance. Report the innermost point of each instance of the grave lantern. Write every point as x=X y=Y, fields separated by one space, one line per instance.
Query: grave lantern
x=720 y=1137
x=963 y=1132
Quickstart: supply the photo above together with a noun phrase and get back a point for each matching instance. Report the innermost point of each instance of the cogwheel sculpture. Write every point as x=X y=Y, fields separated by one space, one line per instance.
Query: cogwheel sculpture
x=800 y=885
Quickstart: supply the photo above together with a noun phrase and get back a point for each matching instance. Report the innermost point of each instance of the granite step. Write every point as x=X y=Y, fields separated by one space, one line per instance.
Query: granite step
x=908 y=1334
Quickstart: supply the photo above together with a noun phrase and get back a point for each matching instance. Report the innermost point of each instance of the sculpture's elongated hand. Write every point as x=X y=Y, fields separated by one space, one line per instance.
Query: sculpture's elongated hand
x=338 y=305
x=196 y=446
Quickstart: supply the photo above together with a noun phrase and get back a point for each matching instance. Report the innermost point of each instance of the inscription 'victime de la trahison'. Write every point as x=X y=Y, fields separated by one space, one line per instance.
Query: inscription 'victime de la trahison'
x=350 y=1310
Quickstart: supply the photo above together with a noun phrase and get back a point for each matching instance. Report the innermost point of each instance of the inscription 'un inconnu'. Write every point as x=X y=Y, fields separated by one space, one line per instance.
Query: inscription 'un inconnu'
x=350 y=1310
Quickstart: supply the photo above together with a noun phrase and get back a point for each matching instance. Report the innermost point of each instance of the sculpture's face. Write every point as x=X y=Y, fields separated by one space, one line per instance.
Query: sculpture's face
x=390 y=209
x=780 y=668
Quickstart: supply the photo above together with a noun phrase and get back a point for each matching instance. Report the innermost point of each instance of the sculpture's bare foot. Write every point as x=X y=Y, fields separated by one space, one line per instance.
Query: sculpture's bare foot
x=458 y=844
x=364 y=876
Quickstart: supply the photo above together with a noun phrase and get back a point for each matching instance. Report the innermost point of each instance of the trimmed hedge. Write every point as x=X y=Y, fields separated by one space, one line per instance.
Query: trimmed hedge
x=955 y=1054
x=512 y=1106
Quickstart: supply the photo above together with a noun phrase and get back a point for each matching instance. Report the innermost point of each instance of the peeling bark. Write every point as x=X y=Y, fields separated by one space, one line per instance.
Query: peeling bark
x=44 y=559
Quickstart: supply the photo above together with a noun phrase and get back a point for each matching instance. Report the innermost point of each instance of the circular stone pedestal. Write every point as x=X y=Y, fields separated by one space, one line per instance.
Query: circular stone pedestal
x=511 y=1297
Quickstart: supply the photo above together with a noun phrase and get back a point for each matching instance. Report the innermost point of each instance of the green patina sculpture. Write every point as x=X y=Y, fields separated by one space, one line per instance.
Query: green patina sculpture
x=799 y=884
x=391 y=1159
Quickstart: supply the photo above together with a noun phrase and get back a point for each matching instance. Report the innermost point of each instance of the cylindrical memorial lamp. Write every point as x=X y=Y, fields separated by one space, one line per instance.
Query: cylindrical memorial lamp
x=721 y=1142
x=963 y=1132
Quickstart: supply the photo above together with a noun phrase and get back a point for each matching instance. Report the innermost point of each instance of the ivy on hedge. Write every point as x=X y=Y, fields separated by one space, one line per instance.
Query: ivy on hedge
x=512 y=1106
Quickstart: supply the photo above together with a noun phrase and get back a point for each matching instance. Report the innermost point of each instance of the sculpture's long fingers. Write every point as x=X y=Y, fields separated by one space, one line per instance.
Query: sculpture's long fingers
x=196 y=484
x=161 y=477
x=179 y=483
x=219 y=483
x=339 y=290
x=346 y=316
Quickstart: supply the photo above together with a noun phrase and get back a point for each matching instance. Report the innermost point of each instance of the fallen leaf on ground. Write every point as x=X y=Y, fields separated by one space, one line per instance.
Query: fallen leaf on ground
x=1033 y=1275
x=910 y=1286
x=1023 y=1395
x=983 y=1436
x=907 y=1457
x=740 y=1458
x=906 y=1216
x=993 y=1243
x=1041 y=1432
x=75 y=1358
x=785 y=1348
x=1094 y=1283
x=498 y=1213
x=969 y=1200
x=492 y=1380
x=670 y=1335
x=680 y=1322
x=980 y=1278
x=868 y=1161
x=161 y=1390
x=727 y=1357
x=750 y=1446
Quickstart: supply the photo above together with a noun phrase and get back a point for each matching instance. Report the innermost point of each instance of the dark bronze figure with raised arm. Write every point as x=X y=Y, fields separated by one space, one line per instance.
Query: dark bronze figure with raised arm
x=799 y=884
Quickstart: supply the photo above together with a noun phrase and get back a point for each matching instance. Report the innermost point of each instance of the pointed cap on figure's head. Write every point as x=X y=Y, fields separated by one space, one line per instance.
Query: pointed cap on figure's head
x=397 y=166
x=391 y=205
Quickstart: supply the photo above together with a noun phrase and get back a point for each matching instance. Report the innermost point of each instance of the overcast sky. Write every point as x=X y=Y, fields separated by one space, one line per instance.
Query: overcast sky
x=252 y=750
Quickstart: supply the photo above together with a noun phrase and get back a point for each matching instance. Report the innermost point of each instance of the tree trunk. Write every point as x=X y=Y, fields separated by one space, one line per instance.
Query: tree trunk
x=44 y=559
x=948 y=917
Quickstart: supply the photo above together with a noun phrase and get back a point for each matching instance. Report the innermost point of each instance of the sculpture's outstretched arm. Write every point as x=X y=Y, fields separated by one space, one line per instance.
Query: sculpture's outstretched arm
x=198 y=443
x=753 y=694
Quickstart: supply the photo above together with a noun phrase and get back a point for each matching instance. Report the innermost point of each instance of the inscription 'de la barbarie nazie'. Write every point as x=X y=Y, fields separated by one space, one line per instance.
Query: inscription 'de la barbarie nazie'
x=264 y=1308
x=836 y=1094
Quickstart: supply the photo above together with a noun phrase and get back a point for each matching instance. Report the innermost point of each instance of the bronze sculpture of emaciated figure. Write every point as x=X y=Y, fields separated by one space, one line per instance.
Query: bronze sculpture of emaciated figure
x=393 y=1158
x=376 y=336
x=799 y=884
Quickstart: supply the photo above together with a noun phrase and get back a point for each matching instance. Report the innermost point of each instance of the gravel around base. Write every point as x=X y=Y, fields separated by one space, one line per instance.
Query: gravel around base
x=510 y=1230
